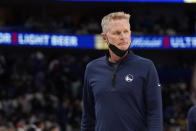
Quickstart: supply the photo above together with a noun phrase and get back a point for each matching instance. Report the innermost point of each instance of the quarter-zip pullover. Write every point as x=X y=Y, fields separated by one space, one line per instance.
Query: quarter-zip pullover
x=129 y=102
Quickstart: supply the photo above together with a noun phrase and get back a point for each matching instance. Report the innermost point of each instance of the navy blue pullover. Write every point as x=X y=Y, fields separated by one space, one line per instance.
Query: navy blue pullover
x=191 y=124
x=128 y=101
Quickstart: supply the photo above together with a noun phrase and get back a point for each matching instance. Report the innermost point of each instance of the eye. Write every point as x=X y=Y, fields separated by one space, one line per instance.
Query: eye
x=126 y=31
x=117 y=33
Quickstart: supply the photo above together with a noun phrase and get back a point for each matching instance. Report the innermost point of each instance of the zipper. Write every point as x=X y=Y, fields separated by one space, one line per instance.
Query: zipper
x=114 y=76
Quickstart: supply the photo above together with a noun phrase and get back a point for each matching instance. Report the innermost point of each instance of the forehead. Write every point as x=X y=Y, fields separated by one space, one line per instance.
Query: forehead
x=118 y=24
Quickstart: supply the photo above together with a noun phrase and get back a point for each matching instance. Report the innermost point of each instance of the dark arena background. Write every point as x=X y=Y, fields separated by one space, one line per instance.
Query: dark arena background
x=46 y=44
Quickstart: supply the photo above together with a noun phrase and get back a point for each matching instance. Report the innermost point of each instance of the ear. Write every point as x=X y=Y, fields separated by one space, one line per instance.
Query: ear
x=104 y=37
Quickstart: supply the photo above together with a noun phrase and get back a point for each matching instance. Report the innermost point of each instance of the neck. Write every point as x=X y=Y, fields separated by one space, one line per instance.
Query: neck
x=114 y=58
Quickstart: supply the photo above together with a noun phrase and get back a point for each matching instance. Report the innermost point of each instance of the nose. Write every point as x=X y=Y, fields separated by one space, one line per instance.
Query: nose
x=122 y=36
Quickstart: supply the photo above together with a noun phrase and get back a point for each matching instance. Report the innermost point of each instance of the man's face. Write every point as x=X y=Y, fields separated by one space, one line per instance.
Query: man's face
x=119 y=33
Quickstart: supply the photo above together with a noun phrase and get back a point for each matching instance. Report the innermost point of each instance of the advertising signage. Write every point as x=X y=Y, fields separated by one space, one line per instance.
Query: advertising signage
x=93 y=41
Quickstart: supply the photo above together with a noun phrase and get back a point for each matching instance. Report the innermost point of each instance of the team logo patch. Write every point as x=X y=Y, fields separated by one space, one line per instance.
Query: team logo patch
x=129 y=78
x=159 y=85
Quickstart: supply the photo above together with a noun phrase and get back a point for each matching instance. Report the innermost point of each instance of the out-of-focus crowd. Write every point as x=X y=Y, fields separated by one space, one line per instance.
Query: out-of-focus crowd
x=79 y=20
x=37 y=91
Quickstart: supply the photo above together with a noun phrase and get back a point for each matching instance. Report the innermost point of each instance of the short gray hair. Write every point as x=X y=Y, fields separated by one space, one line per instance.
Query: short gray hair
x=113 y=16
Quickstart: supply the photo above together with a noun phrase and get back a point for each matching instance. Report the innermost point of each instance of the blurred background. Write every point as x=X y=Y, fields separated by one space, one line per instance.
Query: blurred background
x=46 y=44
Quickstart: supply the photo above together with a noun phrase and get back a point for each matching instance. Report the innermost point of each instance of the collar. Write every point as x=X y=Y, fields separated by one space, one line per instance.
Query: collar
x=129 y=56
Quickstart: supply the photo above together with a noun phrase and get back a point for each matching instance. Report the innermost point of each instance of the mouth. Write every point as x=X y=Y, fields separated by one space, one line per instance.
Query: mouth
x=123 y=43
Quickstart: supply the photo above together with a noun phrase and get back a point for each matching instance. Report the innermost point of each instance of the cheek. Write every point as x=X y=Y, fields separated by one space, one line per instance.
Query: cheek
x=129 y=37
x=114 y=40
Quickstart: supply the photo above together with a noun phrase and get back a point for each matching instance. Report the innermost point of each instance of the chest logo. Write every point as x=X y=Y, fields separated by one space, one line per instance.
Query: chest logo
x=129 y=78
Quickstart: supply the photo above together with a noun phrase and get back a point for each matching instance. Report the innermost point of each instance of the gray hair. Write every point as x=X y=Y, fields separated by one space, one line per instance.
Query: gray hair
x=113 y=16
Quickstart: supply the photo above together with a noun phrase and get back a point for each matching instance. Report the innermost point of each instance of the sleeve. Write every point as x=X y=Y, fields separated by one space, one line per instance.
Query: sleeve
x=88 y=113
x=191 y=119
x=153 y=99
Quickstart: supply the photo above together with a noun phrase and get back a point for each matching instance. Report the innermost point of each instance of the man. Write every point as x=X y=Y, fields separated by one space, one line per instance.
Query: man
x=191 y=119
x=121 y=90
